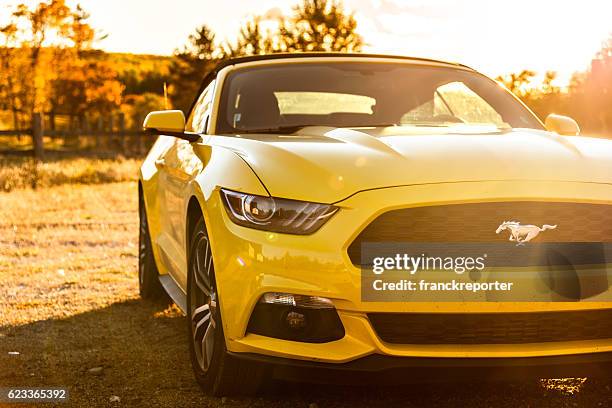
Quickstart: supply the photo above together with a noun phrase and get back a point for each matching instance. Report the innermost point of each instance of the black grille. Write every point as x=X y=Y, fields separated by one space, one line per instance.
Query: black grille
x=477 y=222
x=491 y=328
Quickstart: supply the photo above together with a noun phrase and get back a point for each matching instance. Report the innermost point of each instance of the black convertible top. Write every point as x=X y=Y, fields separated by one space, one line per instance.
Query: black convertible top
x=286 y=55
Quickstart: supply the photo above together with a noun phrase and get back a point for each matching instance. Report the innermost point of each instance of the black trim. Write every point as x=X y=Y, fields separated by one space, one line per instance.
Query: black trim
x=432 y=369
x=320 y=325
x=190 y=137
x=208 y=78
x=174 y=291
x=284 y=55
x=492 y=328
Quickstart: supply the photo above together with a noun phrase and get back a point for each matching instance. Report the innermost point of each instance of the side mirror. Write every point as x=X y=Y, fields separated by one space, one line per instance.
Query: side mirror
x=563 y=125
x=169 y=123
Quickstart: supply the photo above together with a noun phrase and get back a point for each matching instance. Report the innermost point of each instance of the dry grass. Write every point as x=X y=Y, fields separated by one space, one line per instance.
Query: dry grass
x=18 y=173
x=69 y=302
x=69 y=299
x=66 y=238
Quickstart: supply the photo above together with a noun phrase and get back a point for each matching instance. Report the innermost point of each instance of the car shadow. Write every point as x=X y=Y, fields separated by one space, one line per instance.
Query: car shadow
x=137 y=351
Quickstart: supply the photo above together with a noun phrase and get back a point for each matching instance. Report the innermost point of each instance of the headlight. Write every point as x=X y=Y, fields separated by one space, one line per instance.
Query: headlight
x=276 y=214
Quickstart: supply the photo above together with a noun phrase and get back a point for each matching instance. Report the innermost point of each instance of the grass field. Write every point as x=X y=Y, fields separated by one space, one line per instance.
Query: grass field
x=70 y=316
x=23 y=172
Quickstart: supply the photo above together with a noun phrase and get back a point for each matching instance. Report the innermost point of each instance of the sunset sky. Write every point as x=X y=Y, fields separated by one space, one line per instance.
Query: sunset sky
x=495 y=37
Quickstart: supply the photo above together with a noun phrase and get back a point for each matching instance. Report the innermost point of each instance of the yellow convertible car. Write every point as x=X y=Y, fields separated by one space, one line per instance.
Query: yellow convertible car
x=263 y=211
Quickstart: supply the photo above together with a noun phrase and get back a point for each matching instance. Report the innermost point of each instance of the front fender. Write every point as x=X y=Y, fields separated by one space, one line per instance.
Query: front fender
x=221 y=168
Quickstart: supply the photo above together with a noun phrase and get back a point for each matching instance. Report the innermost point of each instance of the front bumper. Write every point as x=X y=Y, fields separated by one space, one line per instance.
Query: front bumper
x=390 y=370
x=251 y=262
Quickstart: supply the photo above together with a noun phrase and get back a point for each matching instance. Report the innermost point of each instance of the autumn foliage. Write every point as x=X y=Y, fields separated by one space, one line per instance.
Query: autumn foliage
x=44 y=68
x=48 y=64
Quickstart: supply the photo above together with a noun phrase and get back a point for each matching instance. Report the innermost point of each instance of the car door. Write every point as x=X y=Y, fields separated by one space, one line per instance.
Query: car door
x=180 y=167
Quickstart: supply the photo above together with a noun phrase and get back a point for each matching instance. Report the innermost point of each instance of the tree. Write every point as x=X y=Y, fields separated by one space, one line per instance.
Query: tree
x=315 y=25
x=546 y=97
x=591 y=93
x=201 y=45
x=53 y=35
x=190 y=65
x=548 y=87
x=251 y=41
x=81 y=33
x=136 y=107
x=44 y=21
x=320 y=25
x=11 y=93
x=517 y=83
x=542 y=98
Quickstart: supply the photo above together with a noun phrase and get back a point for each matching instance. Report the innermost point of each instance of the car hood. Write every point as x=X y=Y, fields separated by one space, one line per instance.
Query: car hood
x=326 y=164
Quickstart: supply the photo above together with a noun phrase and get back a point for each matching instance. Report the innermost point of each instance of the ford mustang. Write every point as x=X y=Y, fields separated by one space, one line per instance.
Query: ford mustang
x=261 y=210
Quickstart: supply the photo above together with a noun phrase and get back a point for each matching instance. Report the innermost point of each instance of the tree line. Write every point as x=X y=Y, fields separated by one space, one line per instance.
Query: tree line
x=588 y=98
x=48 y=65
x=313 y=25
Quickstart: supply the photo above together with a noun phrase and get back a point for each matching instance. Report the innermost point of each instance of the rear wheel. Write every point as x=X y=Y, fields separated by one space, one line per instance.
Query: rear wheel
x=148 y=276
x=216 y=371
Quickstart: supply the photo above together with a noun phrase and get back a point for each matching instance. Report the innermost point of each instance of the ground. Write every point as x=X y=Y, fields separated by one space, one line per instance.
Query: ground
x=69 y=307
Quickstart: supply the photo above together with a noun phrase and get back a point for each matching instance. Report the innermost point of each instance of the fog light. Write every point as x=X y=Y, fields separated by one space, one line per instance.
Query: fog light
x=311 y=319
x=296 y=320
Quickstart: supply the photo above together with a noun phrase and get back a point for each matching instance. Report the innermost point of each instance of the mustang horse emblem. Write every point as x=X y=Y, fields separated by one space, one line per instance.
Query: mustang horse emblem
x=522 y=233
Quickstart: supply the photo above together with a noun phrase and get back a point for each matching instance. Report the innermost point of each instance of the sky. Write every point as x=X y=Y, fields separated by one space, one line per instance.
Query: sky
x=494 y=36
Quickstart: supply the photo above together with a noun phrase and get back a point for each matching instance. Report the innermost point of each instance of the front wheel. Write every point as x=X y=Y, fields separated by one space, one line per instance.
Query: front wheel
x=148 y=276
x=216 y=371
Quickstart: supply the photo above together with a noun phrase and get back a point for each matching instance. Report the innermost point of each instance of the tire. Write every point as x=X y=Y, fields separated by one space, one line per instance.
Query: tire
x=148 y=275
x=218 y=373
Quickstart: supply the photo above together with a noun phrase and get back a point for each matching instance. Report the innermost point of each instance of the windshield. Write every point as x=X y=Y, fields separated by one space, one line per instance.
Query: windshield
x=284 y=97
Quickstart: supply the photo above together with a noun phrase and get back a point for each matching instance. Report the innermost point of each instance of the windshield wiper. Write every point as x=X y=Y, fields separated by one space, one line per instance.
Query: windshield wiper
x=373 y=125
x=455 y=124
x=294 y=128
x=279 y=129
